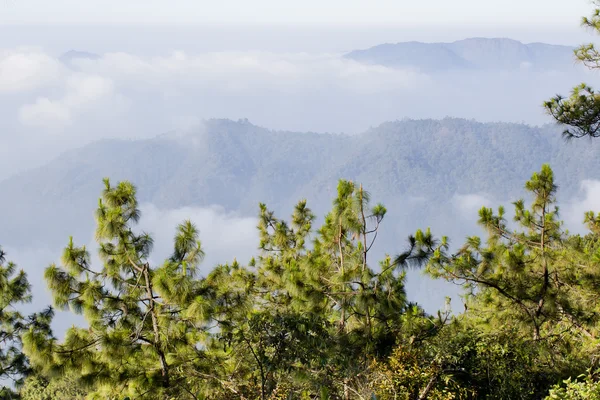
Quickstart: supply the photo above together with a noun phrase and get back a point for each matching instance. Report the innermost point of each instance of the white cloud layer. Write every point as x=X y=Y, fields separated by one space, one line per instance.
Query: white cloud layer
x=239 y=72
x=27 y=69
x=574 y=209
x=224 y=236
x=469 y=205
x=81 y=92
x=51 y=108
x=45 y=111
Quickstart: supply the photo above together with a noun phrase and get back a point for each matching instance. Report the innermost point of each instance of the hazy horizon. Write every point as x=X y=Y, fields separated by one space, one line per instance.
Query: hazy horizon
x=155 y=40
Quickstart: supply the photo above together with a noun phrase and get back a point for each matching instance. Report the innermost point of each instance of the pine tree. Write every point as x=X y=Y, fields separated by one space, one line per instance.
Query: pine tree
x=306 y=282
x=15 y=290
x=581 y=111
x=529 y=274
x=139 y=340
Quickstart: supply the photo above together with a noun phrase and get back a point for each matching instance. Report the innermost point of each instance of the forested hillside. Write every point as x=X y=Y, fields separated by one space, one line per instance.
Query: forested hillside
x=313 y=315
x=415 y=165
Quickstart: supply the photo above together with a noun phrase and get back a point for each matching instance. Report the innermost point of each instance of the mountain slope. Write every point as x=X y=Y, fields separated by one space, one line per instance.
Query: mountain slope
x=424 y=56
x=237 y=165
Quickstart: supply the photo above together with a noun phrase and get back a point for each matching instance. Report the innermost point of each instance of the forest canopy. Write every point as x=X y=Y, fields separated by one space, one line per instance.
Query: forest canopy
x=314 y=316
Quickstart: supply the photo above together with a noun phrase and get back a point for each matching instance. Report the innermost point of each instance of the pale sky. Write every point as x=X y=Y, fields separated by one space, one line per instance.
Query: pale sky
x=514 y=13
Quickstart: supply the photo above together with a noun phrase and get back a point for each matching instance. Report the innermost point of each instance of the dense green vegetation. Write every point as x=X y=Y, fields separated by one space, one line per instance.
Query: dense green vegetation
x=314 y=316
x=15 y=290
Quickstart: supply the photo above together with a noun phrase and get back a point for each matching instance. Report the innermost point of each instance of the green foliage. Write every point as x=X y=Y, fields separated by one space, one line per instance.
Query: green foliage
x=586 y=389
x=14 y=291
x=312 y=316
x=581 y=111
x=404 y=376
x=138 y=339
x=308 y=314
x=460 y=360
x=319 y=313
x=525 y=275
x=530 y=292
x=57 y=388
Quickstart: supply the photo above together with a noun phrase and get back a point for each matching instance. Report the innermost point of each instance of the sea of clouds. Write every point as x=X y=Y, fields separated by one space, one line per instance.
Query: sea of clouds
x=51 y=105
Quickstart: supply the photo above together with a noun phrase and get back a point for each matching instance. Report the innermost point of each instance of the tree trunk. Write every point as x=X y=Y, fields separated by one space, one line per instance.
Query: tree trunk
x=343 y=303
x=365 y=251
x=164 y=367
x=346 y=391
x=423 y=395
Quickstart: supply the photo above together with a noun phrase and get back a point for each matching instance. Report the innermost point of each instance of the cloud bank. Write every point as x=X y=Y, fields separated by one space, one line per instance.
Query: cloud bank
x=468 y=205
x=82 y=92
x=223 y=235
x=25 y=69
x=571 y=210
x=574 y=209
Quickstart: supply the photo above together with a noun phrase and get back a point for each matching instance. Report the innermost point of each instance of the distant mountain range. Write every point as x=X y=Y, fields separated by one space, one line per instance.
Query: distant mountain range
x=415 y=167
x=72 y=55
x=475 y=53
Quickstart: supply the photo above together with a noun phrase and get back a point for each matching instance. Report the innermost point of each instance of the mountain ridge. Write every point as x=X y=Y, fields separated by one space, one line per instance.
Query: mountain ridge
x=237 y=165
x=471 y=53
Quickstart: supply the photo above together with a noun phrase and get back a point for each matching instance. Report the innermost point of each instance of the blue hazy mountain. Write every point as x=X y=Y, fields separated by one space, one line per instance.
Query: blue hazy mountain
x=236 y=164
x=474 y=53
x=72 y=56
